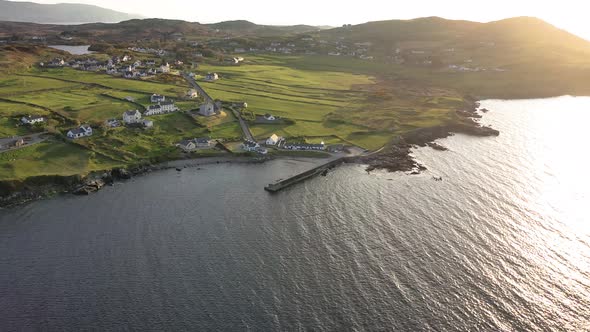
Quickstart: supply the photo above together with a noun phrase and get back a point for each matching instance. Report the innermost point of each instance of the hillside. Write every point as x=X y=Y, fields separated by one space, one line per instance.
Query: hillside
x=433 y=34
x=58 y=13
x=242 y=27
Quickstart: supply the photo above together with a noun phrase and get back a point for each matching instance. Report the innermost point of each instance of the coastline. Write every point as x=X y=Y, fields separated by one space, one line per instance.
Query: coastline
x=16 y=192
x=396 y=156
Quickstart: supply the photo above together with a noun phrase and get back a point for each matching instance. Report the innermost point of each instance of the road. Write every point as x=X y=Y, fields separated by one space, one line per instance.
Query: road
x=29 y=140
x=245 y=129
x=197 y=87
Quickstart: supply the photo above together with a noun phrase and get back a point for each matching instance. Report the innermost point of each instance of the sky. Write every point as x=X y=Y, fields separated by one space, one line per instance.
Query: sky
x=566 y=14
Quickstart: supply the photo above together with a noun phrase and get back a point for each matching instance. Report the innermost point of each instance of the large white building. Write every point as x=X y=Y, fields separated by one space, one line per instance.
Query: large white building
x=161 y=108
x=207 y=109
x=133 y=116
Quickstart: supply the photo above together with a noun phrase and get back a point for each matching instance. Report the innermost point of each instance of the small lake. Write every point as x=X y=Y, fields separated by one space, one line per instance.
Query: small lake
x=75 y=50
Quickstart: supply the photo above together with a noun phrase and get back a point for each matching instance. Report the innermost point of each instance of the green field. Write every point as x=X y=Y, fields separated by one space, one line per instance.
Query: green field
x=327 y=99
x=320 y=99
x=51 y=158
x=68 y=97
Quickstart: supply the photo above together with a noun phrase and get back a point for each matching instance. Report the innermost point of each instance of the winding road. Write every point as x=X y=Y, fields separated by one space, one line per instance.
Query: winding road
x=245 y=129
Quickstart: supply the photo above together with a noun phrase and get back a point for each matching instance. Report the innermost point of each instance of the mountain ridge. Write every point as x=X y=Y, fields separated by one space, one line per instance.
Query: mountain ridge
x=59 y=13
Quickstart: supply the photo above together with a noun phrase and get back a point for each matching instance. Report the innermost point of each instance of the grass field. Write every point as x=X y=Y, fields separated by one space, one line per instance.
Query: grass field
x=51 y=158
x=327 y=99
x=321 y=98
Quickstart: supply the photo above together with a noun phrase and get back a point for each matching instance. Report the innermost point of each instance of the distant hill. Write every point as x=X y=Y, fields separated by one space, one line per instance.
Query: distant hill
x=506 y=43
x=58 y=13
x=253 y=29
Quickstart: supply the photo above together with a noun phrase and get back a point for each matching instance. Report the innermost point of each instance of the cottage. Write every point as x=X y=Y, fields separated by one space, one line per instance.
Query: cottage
x=250 y=146
x=165 y=68
x=269 y=117
x=130 y=117
x=202 y=142
x=273 y=140
x=17 y=143
x=157 y=98
x=211 y=77
x=192 y=93
x=147 y=123
x=83 y=131
x=31 y=120
x=207 y=109
x=112 y=123
x=187 y=145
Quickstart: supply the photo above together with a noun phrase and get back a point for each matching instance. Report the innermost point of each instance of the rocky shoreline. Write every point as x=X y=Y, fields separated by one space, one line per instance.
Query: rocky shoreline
x=13 y=193
x=396 y=156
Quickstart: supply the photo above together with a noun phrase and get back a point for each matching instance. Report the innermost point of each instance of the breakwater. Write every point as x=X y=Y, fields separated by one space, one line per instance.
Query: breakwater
x=280 y=185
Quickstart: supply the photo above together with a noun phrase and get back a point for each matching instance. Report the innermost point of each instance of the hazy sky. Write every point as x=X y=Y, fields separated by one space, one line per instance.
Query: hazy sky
x=567 y=14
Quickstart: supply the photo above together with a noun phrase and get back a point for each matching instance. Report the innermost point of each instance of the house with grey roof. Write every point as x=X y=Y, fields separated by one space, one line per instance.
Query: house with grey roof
x=82 y=131
x=133 y=116
x=32 y=119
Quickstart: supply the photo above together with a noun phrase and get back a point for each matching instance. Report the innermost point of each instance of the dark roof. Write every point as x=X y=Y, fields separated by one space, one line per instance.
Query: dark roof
x=133 y=112
x=185 y=142
x=154 y=107
x=77 y=131
x=202 y=140
x=250 y=144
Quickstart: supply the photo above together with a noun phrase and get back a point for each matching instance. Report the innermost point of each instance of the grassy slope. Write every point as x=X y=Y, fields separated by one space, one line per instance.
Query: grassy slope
x=329 y=100
x=67 y=96
x=51 y=158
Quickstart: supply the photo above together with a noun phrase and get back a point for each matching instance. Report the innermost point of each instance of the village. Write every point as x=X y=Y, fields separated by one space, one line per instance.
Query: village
x=144 y=119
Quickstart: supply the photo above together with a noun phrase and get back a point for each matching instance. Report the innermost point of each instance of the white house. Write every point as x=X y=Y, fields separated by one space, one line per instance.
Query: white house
x=161 y=108
x=157 y=98
x=147 y=123
x=192 y=93
x=133 y=116
x=83 y=131
x=165 y=68
x=187 y=145
x=269 y=117
x=211 y=77
x=305 y=146
x=273 y=140
x=168 y=106
x=153 y=110
x=30 y=120
x=207 y=109
x=112 y=123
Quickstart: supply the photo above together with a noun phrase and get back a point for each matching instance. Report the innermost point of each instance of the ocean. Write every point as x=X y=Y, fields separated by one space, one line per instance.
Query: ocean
x=501 y=244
